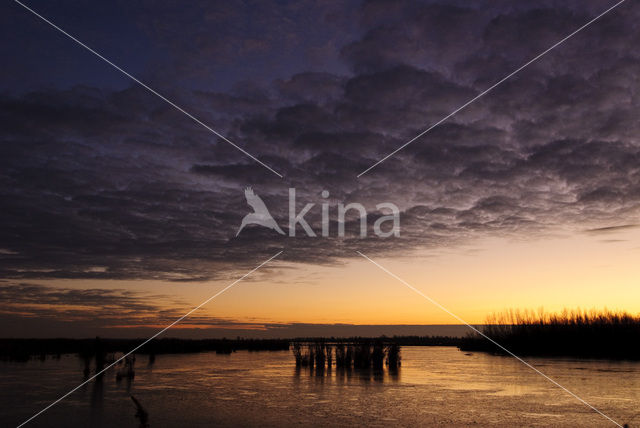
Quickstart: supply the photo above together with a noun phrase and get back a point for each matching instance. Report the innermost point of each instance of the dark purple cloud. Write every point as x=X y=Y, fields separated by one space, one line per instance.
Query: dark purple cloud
x=117 y=179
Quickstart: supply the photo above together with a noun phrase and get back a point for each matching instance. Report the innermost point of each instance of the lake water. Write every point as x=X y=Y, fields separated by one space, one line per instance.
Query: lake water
x=436 y=386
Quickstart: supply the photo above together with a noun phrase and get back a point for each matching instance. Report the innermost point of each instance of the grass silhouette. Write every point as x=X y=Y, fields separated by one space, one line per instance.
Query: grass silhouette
x=360 y=353
x=570 y=333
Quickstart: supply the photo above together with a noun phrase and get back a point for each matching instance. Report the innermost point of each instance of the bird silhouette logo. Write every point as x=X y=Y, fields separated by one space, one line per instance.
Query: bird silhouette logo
x=260 y=214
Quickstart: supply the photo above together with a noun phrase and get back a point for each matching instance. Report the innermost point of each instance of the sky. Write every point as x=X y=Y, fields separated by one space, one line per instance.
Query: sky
x=119 y=212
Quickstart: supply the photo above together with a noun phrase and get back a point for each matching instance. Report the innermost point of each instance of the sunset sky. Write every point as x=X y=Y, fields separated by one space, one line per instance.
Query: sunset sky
x=119 y=213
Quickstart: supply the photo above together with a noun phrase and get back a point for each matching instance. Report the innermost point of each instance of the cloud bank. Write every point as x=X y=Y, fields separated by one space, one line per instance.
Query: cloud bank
x=115 y=183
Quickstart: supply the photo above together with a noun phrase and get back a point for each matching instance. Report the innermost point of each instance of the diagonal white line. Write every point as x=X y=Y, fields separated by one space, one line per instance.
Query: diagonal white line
x=151 y=338
x=487 y=337
x=153 y=91
x=486 y=91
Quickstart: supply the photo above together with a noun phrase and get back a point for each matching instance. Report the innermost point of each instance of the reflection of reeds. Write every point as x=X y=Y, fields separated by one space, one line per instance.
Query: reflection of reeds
x=101 y=355
x=348 y=356
x=320 y=356
x=377 y=356
x=297 y=353
x=393 y=355
x=341 y=360
x=127 y=370
x=362 y=354
x=306 y=357
x=578 y=333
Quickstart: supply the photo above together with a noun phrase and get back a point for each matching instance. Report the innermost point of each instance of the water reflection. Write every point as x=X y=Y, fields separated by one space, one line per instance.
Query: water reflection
x=97 y=401
x=342 y=375
x=267 y=389
x=367 y=358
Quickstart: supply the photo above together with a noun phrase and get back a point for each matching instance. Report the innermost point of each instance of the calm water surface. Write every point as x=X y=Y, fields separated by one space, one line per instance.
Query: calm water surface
x=436 y=386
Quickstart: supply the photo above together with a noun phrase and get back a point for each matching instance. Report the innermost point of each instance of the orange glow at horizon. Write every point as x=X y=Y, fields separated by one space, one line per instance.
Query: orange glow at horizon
x=582 y=271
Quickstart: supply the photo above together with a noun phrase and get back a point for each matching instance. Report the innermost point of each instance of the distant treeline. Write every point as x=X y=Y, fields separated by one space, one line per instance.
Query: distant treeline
x=398 y=340
x=577 y=333
x=25 y=349
x=582 y=334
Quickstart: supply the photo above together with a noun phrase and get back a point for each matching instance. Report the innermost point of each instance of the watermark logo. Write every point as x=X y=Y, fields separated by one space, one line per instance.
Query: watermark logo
x=385 y=226
x=260 y=214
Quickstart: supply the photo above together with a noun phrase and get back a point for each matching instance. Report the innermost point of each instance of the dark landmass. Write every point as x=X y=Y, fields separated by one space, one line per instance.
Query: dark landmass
x=576 y=334
x=25 y=349
x=398 y=340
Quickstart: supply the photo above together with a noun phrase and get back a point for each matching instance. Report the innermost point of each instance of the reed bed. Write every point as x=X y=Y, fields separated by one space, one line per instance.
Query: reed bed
x=352 y=355
x=571 y=333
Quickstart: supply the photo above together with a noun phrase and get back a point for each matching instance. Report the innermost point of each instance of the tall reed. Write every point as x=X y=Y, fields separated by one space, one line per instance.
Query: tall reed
x=577 y=333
